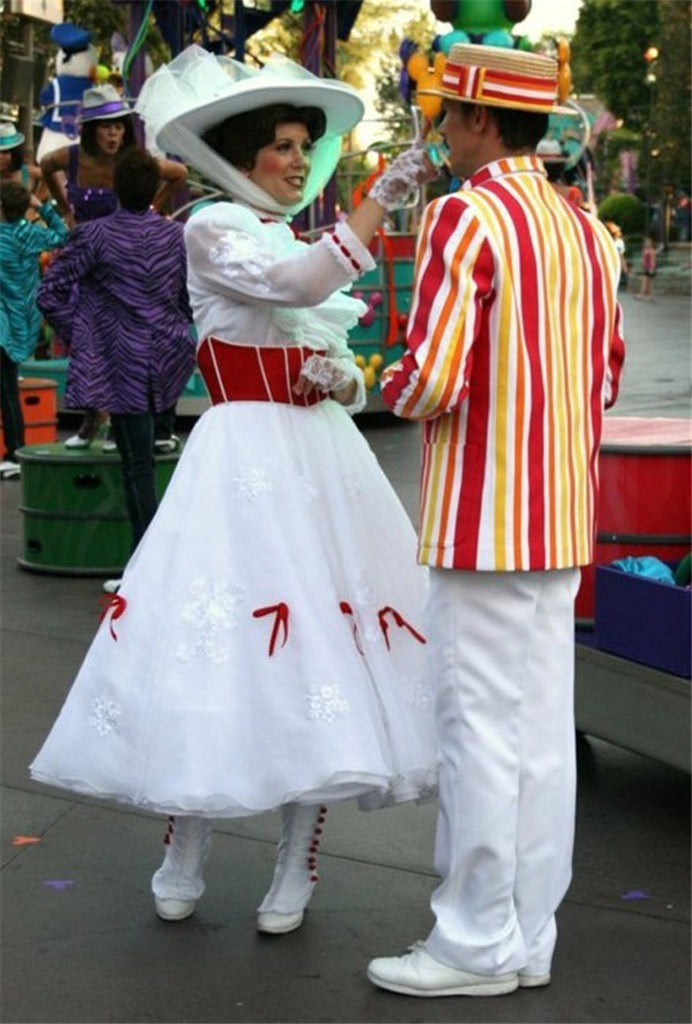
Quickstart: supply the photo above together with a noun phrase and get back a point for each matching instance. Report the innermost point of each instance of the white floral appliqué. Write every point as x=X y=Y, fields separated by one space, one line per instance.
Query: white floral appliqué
x=326 y=704
x=418 y=692
x=353 y=486
x=308 y=491
x=105 y=715
x=250 y=483
x=210 y=612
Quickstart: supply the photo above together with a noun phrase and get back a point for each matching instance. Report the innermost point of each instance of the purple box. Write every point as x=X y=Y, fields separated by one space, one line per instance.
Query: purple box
x=644 y=620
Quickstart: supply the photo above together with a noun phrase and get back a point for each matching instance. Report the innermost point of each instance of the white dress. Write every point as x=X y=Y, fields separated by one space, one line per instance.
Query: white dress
x=267 y=643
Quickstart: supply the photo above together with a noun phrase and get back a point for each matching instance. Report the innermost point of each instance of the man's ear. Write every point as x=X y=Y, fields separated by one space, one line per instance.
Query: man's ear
x=484 y=122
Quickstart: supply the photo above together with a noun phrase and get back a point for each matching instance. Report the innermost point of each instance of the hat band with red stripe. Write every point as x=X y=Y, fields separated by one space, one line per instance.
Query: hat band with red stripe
x=499 y=88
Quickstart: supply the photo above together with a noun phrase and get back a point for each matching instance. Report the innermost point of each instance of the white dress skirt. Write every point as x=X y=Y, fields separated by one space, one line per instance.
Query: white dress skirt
x=267 y=643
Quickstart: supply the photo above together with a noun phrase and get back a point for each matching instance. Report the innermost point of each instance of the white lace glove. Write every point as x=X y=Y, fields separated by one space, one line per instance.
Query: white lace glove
x=398 y=186
x=325 y=373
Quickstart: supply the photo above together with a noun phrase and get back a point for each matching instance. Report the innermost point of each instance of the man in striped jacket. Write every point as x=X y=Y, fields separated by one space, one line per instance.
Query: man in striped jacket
x=513 y=351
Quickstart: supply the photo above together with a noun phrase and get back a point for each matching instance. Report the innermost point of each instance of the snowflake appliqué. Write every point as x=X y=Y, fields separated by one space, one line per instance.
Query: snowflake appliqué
x=212 y=610
x=250 y=483
x=353 y=486
x=105 y=715
x=418 y=692
x=326 y=704
x=307 y=489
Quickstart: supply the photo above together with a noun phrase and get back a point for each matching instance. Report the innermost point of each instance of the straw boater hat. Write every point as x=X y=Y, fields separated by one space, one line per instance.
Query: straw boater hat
x=497 y=77
x=198 y=90
x=10 y=138
x=103 y=104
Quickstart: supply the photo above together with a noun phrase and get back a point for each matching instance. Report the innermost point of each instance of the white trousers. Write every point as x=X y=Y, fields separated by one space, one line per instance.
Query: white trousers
x=503 y=664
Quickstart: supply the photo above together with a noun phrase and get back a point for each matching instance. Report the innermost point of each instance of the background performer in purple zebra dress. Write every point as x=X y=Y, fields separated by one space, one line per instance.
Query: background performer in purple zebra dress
x=119 y=288
x=80 y=179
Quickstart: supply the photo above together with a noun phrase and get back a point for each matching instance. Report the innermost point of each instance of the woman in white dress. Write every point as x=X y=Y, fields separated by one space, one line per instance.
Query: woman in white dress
x=265 y=648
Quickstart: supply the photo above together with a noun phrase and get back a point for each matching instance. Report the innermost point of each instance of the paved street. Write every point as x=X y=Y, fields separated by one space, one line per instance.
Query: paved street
x=80 y=939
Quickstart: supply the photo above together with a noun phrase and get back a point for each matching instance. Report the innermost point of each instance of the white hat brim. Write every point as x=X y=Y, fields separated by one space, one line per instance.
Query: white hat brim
x=342 y=106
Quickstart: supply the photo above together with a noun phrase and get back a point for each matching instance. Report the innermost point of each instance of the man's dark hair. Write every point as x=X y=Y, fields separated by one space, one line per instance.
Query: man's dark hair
x=14 y=201
x=238 y=138
x=520 y=129
x=87 y=134
x=136 y=178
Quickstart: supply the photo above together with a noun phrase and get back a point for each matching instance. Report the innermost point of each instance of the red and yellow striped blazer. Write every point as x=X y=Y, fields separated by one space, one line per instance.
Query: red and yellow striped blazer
x=514 y=348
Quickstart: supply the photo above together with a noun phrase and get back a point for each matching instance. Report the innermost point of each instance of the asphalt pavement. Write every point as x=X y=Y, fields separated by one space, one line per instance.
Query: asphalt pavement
x=81 y=942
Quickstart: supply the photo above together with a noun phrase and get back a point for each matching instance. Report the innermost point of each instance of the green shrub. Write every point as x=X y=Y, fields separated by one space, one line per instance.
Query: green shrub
x=626 y=210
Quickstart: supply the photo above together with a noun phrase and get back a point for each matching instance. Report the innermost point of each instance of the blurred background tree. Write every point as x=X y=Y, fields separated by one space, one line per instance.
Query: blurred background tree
x=607 y=58
x=673 y=91
x=636 y=58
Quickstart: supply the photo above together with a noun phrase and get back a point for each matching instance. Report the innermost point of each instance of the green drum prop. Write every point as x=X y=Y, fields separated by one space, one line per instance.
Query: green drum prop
x=74 y=516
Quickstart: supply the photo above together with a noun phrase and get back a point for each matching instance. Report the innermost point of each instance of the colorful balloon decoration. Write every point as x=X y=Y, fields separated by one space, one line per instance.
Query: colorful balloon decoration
x=481 y=21
x=564 y=75
x=427 y=76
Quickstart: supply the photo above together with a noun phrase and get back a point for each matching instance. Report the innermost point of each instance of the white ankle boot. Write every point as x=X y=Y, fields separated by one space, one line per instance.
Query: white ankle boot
x=295 y=874
x=179 y=882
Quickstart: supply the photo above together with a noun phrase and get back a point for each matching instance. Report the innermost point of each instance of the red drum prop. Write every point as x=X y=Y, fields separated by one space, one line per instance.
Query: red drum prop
x=644 y=502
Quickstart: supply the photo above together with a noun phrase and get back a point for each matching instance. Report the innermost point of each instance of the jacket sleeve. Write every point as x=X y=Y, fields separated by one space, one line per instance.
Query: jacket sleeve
x=58 y=294
x=34 y=239
x=453 y=279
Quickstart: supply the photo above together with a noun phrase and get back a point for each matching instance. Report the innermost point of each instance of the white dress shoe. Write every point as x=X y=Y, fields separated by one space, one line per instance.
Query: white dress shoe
x=533 y=980
x=419 y=974
x=271 y=923
x=174 y=910
x=9 y=469
x=167 y=445
x=76 y=441
x=111 y=586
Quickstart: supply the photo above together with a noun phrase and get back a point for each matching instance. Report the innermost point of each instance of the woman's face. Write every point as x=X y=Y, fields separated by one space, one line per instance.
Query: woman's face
x=281 y=168
x=109 y=136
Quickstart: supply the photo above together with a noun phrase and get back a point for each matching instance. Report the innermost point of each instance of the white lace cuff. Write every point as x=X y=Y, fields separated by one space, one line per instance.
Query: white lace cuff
x=326 y=373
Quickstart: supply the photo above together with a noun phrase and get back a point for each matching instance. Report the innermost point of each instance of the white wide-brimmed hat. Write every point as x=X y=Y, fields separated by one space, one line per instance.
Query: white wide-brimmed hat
x=198 y=90
x=495 y=76
x=103 y=103
x=10 y=138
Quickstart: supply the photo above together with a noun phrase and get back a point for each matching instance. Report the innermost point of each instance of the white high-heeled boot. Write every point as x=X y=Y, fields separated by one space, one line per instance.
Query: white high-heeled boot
x=179 y=882
x=282 y=909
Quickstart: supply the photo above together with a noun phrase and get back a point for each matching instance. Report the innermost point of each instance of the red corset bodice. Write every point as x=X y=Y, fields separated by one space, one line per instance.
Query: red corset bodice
x=253 y=373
